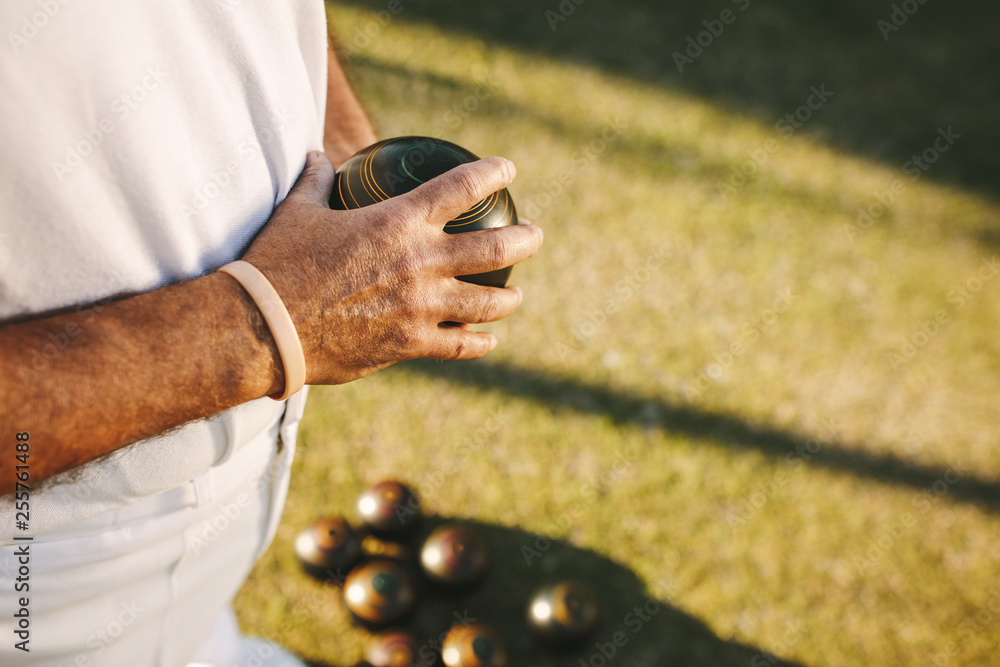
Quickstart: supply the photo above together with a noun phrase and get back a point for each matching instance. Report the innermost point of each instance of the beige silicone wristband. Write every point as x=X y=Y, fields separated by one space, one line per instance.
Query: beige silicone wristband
x=278 y=321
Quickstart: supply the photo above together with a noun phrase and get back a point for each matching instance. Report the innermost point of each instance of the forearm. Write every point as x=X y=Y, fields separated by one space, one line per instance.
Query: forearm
x=140 y=366
x=347 y=128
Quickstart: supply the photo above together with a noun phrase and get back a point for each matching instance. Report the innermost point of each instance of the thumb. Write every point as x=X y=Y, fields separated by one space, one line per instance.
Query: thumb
x=316 y=180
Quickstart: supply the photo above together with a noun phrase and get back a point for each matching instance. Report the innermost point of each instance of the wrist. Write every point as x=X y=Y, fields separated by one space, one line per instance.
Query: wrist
x=259 y=369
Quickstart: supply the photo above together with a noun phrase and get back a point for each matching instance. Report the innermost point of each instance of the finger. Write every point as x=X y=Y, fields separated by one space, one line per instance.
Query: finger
x=476 y=304
x=447 y=196
x=457 y=342
x=315 y=182
x=489 y=249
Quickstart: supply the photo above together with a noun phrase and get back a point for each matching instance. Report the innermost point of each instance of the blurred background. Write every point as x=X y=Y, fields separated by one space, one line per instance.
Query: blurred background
x=755 y=377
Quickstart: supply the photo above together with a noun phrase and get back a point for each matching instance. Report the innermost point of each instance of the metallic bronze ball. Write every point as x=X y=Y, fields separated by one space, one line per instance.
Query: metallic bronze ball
x=379 y=592
x=454 y=554
x=389 y=508
x=397 y=166
x=473 y=646
x=394 y=648
x=563 y=613
x=329 y=547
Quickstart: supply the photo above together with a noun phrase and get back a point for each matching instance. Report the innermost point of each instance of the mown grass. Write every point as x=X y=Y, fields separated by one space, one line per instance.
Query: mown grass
x=812 y=495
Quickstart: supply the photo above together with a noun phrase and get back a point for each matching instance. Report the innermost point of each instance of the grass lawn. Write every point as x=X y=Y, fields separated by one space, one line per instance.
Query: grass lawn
x=727 y=396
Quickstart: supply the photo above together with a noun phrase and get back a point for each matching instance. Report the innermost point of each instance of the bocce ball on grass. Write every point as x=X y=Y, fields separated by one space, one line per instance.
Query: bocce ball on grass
x=454 y=555
x=396 y=166
x=379 y=592
x=475 y=645
x=328 y=548
x=389 y=509
x=394 y=648
x=563 y=613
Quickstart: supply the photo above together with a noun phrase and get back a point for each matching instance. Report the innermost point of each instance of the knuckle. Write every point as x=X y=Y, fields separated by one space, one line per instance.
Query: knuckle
x=468 y=182
x=459 y=351
x=500 y=251
x=491 y=307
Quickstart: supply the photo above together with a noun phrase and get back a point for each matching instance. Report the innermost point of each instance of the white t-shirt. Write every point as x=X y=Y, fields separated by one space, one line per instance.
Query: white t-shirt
x=145 y=143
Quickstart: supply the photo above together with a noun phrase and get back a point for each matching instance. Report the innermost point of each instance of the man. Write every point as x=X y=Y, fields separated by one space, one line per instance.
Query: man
x=146 y=145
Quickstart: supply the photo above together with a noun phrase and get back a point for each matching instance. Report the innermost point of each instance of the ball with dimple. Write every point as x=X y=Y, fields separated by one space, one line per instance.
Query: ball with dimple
x=328 y=546
x=394 y=648
x=389 y=508
x=379 y=592
x=563 y=613
x=454 y=554
x=475 y=645
x=396 y=166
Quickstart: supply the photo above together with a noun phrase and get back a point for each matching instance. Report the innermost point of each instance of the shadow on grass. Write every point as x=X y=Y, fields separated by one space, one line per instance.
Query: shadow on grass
x=648 y=629
x=721 y=429
x=890 y=94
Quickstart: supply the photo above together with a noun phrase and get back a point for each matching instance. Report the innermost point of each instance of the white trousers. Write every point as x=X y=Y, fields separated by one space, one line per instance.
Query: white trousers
x=151 y=585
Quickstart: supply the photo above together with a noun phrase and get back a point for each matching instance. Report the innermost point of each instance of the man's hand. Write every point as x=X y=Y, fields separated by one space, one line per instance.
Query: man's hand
x=365 y=288
x=372 y=286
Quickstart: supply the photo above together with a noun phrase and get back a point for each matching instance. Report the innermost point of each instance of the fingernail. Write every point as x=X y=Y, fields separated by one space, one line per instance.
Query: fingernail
x=493 y=343
x=512 y=167
x=520 y=295
x=311 y=157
